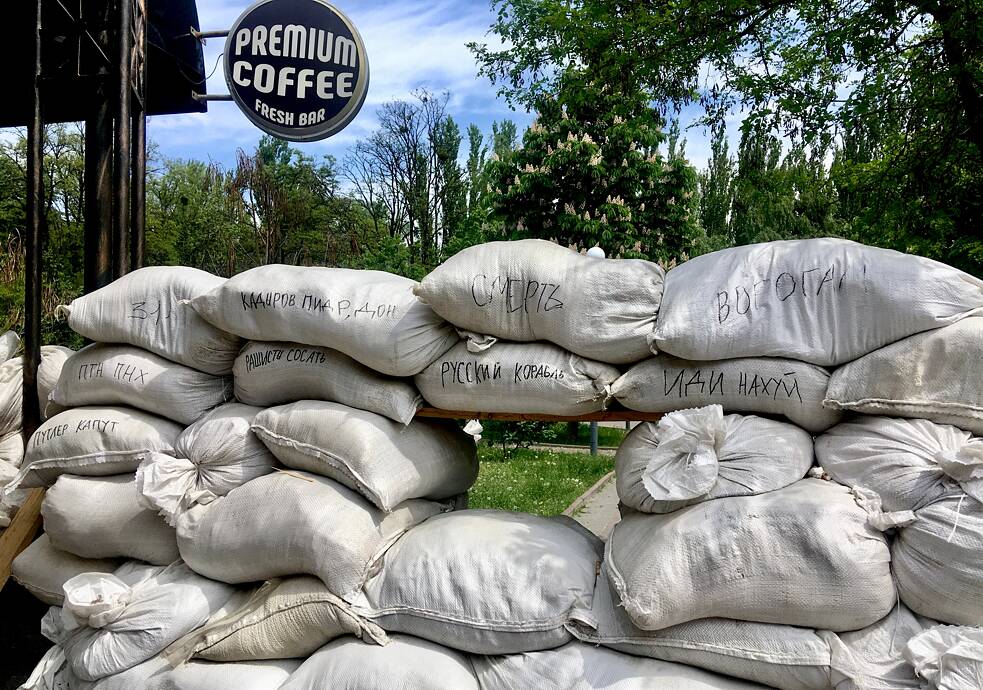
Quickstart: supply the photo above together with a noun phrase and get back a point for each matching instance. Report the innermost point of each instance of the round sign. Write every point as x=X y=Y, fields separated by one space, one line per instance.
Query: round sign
x=296 y=68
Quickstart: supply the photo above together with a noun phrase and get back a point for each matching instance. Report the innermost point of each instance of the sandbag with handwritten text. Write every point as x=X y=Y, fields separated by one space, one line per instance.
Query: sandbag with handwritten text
x=762 y=385
x=370 y=316
x=604 y=309
x=824 y=301
x=147 y=308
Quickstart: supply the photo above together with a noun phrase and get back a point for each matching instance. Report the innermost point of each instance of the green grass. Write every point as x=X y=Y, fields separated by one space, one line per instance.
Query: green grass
x=539 y=482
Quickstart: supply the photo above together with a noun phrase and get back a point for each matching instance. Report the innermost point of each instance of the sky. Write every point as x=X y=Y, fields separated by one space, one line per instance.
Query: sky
x=410 y=44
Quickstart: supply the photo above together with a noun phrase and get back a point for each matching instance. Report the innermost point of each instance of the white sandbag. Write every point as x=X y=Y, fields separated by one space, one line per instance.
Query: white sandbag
x=698 y=455
x=405 y=663
x=11 y=453
x=205 y=675
x=94 y=442
x=103 y=374
x=936 y=471
x=212 y=456
x=803 y=555
x=535 y=378
x=779 y=656
x=147 y=308
x=268 y=374
x=486 y=581
x=762 y=385
x=948 y=657
x=101 y=517
x=53 y=358
x=824 y=301
x=291 y=523
x=537 y=290
x=284 y=618
x=577 y=666
x=42 y=569
x=878 y=652
x=110 y=622
x=10 y=503
x=383 y=460
x=933 y=375
x=9 y=343
x=371 y=316
x=12 y=385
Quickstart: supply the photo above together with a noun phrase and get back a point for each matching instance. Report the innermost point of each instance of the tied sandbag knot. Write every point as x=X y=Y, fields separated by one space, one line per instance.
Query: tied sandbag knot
x=684 y=465
x=877 y=518
x=94 y=600
x=965 y=466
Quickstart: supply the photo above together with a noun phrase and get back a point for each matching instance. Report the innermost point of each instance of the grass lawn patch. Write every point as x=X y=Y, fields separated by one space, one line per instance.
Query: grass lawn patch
x=531 y=481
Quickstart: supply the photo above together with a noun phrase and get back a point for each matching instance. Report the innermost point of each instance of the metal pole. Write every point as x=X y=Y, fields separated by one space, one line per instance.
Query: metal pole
x=98 y=259
x=593 y=438
x=121 y=152
x=138 y=217
x=35 y=244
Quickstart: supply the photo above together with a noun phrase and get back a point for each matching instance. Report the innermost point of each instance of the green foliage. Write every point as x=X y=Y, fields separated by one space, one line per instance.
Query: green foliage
x=904 y=76
x=590 y=172
x=516 y=435
x=542 y=483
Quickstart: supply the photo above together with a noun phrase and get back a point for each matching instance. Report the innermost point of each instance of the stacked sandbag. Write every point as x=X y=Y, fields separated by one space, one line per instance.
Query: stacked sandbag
x=699 y=455
x=933 y=375
x=371 y=316
x=927 y=478
x=603 y=310
x=531 y=378
x=43 y=570
x=486 y=581
x=211 y=457
x=11 y=416
x=822 y=301
x=269 y=374
x=110 y=623
x=804 y=555
x=149 y=309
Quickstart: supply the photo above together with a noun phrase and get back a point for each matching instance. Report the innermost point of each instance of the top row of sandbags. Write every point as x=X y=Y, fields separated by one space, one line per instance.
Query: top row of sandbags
x=822 y=301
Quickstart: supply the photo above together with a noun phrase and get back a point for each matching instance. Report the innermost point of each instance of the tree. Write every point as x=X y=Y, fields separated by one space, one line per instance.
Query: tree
x=908 y=70
x=590 y=172
x=717 y=192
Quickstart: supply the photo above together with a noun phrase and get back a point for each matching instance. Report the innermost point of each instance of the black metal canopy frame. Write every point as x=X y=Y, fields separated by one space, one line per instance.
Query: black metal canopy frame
x=110 y=63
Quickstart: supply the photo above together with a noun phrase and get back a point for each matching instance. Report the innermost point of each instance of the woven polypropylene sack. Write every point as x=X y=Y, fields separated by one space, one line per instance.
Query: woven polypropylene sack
x=204 y=675
x=125 y=375
x=285 y=618
x=933 y=375
x=877 y=652
x=292 y=523
x=147 y=308
x=211 y=457
x=383 y=460
x=824 y=301
x=405 y=663
x=744 y=456
x=935 y=470
x=371 y=316
x=12 y=385
x=803 y=555
x=102 y=517
x=577 y=666
x=268 y=374
x=486 y=581
x=533 y=378
x=948 y=657
x=94 y=442
x=155 y=607
x=42 y=569
x=536 y=290
x=53 y=358
x=779 y=656
x=762 y=385
x=9 y=342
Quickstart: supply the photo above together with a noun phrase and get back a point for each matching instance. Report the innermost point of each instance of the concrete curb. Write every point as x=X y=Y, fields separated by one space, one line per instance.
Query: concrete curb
x=582 y=500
